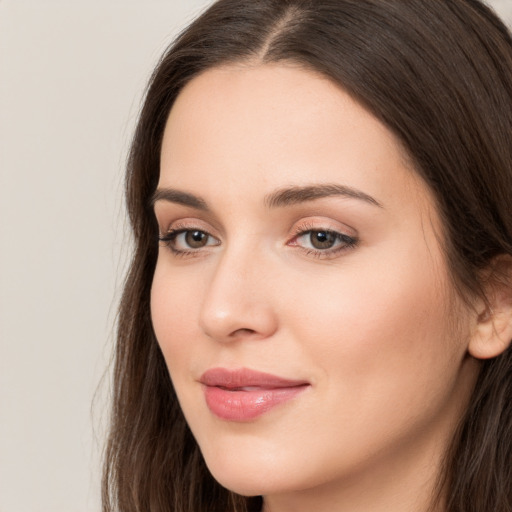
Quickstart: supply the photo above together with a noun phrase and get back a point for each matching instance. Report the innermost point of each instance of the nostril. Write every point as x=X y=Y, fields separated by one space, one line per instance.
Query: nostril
x=243 y=332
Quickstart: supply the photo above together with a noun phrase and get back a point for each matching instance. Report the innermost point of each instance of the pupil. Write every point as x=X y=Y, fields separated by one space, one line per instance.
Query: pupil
x=322 y=239
x=196 y=239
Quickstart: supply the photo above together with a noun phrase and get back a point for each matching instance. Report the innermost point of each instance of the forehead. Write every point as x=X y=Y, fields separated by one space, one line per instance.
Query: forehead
x=254 y=128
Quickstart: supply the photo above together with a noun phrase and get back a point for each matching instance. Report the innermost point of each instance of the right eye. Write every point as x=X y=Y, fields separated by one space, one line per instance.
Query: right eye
x=186 y=241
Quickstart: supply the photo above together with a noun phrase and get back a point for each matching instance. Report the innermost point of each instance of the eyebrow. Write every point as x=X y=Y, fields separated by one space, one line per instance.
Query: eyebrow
x=177 y=196
x=278 y=199
x=295 y=195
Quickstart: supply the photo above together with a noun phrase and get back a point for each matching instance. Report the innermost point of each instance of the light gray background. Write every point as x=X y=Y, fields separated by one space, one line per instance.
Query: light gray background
x=71 y=78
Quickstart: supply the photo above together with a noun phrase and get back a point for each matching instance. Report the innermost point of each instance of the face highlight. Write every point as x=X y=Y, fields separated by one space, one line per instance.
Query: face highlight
x=300 y=277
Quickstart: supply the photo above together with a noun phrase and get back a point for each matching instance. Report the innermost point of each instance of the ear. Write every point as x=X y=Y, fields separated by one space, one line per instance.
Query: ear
x=493 y=329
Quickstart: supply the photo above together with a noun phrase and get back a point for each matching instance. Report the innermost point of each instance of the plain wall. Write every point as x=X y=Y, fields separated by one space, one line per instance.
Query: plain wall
x=71 y=78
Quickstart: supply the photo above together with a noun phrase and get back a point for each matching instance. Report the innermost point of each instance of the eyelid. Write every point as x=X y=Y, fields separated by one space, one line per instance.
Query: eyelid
x=169 y=235
x=175 y=232
x=308 y=226
x=345 y=238
x=188 y=223
x=322 y=224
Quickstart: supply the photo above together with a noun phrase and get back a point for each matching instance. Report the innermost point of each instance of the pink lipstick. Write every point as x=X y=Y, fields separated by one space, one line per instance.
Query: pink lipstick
x=243 y=394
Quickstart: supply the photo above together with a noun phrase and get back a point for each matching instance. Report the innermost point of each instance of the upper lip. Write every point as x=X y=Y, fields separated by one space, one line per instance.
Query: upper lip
x=245 y=377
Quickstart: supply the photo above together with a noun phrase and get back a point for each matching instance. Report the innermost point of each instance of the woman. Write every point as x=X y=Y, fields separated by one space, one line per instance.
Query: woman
x=319 y=309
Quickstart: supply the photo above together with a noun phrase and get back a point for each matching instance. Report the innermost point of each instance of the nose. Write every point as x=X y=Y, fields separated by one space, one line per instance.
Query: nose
x=238 y=303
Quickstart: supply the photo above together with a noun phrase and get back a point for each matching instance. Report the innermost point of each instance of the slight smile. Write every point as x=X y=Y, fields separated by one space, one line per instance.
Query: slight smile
x=243 y=394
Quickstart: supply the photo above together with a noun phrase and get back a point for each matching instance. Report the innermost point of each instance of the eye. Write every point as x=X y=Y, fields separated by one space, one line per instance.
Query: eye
x=193 y=239
x=323 y=242
x=321 y=239
x=185 y=241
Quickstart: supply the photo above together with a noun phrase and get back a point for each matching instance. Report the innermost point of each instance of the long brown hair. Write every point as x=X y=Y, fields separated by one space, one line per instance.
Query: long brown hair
x=438 y=73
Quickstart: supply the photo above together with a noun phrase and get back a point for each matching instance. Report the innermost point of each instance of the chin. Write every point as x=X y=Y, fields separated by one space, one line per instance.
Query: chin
x=242 y=478
x=263 y=472
x=248 y=476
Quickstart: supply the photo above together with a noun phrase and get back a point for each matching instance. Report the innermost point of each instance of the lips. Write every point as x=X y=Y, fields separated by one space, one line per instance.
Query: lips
x=243 y=394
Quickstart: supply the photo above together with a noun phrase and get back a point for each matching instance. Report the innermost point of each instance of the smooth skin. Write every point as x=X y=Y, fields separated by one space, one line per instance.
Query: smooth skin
x=346 y=288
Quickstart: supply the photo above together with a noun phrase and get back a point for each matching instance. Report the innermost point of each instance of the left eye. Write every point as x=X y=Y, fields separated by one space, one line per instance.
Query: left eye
x=193 y=239
x=322 y=240
x=187 y=239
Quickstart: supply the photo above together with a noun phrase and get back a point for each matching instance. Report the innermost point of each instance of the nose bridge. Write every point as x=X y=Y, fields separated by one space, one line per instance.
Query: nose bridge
x=238 y=300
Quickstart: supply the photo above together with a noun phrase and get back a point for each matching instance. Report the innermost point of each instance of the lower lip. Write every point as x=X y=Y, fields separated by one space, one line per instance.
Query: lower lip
x=239 y=405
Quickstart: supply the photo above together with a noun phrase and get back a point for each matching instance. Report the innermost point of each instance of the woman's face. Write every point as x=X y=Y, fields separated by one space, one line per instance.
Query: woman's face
x=301 y=299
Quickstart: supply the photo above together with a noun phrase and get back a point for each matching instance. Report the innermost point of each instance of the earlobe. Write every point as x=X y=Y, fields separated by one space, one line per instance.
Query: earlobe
x=493 y=330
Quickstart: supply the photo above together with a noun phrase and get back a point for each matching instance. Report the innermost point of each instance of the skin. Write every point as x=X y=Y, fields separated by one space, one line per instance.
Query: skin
x=370 y=326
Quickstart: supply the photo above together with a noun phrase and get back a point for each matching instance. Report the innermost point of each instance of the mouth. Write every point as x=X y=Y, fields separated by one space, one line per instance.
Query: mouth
x=242 y=395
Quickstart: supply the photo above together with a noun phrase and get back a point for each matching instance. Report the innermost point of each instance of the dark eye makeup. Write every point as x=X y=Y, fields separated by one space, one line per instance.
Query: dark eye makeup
x=186 y=241
x=321 y=243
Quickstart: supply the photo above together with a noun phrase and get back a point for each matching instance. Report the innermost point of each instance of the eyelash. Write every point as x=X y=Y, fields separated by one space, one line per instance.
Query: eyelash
x=170 y=237
x=347 y=242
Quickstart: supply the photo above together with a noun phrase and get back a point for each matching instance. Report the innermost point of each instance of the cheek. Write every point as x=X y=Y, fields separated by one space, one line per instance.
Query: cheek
x=174 y=300
x=380 y=326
